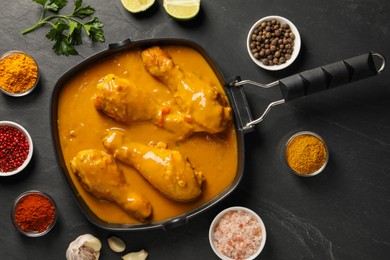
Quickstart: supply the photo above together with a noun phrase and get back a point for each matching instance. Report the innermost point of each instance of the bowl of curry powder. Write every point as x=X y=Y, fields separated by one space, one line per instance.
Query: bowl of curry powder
x=19 y=73
x=306 y=153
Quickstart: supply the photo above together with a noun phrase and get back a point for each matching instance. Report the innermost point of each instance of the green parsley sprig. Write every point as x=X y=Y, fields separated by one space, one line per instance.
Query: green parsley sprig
x=67 y=29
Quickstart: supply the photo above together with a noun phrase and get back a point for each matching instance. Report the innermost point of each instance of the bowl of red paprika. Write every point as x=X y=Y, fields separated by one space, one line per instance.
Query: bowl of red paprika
x=19 y=73
x=16 y=148
x=34 y=213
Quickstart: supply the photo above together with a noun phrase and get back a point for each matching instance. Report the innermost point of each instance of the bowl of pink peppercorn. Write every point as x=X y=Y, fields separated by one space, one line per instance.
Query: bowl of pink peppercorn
x=16 y=148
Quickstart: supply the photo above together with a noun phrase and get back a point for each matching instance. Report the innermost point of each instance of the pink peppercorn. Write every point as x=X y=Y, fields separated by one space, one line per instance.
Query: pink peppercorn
x=14 y=148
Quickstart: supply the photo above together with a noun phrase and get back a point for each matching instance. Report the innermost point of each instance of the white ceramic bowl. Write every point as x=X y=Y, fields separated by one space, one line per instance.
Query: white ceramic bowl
x=296 y=47
x=245 y=211
x=30 y=151
x=9 y=53
x=33 y=233
x=326 y=151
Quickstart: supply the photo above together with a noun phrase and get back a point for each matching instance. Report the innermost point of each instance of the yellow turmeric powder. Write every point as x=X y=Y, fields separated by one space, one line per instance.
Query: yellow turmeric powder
x=18 y=73
x=306 y=154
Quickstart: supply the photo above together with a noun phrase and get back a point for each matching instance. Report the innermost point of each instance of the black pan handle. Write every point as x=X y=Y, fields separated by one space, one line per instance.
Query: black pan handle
x=329 y=76
x=240 y=105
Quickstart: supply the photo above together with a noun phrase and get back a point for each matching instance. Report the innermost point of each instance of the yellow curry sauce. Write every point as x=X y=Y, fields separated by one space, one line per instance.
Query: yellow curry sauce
x=82 y=127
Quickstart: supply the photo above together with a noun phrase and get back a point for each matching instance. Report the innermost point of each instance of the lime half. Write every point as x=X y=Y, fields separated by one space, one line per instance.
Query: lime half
x=182 y=9
x=136 y=6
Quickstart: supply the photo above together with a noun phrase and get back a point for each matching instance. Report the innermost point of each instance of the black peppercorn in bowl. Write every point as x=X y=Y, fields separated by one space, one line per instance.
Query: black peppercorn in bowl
x=273 y=42
x=34 y=213
x=16 y=148
x=20 y=73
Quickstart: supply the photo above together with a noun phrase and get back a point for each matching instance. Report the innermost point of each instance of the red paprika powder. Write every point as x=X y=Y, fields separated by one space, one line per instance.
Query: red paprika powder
x=34 y=213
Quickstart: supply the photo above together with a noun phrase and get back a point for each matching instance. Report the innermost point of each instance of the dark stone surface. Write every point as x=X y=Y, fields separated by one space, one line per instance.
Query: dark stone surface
x=341 y=214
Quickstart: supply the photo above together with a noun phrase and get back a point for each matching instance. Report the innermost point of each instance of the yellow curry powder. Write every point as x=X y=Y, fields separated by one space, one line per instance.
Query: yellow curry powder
x=18 y=73
x=306 y=154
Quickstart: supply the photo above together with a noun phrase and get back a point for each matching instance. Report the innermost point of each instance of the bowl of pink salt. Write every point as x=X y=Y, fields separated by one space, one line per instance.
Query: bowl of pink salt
x=237 y=233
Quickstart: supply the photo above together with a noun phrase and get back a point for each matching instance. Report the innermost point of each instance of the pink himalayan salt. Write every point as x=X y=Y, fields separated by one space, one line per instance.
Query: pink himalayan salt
x=238 y=234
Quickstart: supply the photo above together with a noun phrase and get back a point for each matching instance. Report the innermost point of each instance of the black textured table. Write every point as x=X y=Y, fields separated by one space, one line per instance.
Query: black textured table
x=341 y=214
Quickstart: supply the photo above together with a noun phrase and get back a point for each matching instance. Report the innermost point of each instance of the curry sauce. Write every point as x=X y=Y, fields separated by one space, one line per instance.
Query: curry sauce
x=81 y=126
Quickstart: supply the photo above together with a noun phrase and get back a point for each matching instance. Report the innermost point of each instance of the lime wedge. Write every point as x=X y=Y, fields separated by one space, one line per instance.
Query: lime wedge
x=182 y=9
x=136 y=6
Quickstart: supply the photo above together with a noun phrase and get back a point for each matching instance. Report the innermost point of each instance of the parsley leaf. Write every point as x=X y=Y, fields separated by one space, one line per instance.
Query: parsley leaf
x=77 y=4
x=94 y=30
x=56 y=5
x=62 y=45
x=84 y=11
x=74 y=34
x=66 y=30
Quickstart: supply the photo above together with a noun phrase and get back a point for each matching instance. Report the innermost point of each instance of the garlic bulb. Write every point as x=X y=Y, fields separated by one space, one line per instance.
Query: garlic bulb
x=85 y=247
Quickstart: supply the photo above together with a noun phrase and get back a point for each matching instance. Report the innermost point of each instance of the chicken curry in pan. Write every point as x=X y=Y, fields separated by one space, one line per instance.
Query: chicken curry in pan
x=147 y=134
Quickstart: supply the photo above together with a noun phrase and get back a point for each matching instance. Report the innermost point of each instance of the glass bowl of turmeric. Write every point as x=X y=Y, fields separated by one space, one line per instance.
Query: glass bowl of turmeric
x=34 y=213
x=19 y=73
x=306 y=153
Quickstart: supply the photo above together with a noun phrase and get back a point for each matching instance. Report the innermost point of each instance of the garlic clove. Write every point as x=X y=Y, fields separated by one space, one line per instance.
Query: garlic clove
x=116 y=244
x=140 y=255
